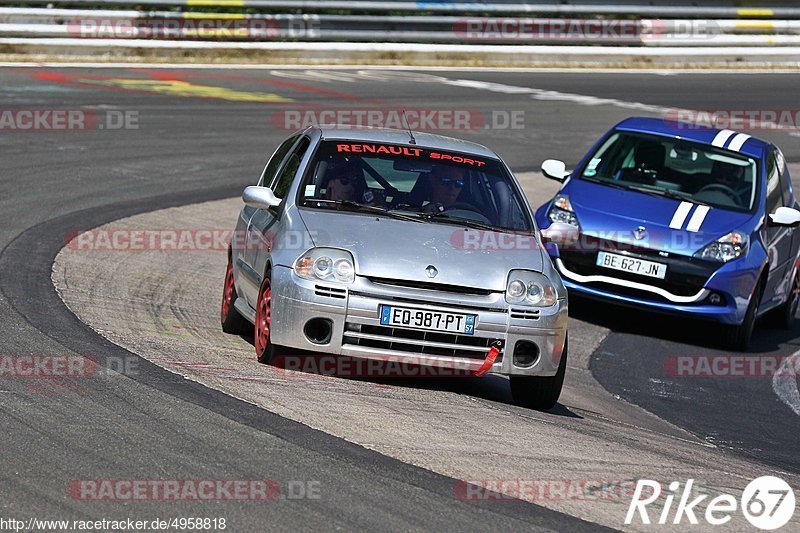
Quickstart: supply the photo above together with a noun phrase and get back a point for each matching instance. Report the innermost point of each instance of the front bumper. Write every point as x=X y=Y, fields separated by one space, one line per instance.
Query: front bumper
x=733 y=283
x=353 y=311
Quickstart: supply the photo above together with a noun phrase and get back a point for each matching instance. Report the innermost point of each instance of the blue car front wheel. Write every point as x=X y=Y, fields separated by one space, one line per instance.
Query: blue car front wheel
x=738 y=337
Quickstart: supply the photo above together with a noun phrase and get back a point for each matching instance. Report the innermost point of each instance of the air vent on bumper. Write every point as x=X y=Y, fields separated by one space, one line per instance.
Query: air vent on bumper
x=330 y=292
x=525 y=314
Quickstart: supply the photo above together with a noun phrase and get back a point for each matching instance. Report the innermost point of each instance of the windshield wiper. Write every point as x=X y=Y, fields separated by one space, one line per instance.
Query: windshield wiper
x=605 y=182
x=349 y=205
x=669 y=193
x=464 y=221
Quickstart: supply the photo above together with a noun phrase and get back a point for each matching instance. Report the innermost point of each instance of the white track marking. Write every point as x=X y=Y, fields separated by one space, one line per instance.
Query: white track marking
x=680 y=215
x=540 y=94
x=697 y=218
x=738 y=142
x=722 y=137
x=429 y=68
x=784 y=382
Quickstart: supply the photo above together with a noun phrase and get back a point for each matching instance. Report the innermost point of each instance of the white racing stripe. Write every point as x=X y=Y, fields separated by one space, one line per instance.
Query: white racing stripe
x=721 y=138
x=680 y=215
x=697 y=218
x=784 y=383
x=738 y=142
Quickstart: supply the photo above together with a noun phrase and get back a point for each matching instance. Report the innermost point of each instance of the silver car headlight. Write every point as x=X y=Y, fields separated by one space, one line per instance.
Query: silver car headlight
x=731 y=246
x=530 y=288
x=561 y=211
x=326 y=264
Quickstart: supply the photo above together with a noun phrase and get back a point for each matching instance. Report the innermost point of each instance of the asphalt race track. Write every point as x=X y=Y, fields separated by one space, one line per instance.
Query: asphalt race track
x=173 y=148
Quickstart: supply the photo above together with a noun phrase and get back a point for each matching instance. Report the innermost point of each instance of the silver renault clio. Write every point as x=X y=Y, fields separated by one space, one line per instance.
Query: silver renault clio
x=394 y=245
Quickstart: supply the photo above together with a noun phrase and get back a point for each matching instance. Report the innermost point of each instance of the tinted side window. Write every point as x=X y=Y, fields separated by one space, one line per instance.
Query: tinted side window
x=786 y=186
x=275 y=161
x=284 y=181
x=774 y=197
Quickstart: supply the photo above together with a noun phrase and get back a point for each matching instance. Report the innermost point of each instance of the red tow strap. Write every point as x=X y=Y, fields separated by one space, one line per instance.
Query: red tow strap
x=494 y=351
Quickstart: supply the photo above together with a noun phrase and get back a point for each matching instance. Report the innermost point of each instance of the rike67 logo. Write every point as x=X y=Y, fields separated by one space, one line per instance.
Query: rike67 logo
x=767 y=502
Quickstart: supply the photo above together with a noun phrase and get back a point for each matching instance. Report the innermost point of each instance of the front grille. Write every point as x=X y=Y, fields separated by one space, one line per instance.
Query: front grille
x=424 y=285
x=417 y=301
x=685 y=276
x=330 y=292
x=525 y=314
x=417 y=341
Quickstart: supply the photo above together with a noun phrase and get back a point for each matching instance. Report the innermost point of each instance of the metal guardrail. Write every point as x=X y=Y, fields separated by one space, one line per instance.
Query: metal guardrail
x=170 y=25
x=781 y=9
x=474 y=25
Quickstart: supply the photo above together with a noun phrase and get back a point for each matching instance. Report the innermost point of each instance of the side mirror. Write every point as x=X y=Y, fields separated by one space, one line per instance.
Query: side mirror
x=785 y=216
x=260 y=197
x=555 y=170
x=560 y=233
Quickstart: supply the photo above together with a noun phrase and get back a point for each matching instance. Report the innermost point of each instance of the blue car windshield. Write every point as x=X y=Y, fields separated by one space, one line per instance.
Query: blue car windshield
x=675 y=168
x=438 y=185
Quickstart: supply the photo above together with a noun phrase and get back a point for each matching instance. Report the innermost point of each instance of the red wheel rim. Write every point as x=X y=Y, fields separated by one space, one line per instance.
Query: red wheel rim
x=263 y=318
x=227 y=293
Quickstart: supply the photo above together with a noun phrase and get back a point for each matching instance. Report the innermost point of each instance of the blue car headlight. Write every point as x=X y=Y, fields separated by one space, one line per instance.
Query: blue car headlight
x=530 y=288
x=326 y=264
x=727 y=248
x=561 y=211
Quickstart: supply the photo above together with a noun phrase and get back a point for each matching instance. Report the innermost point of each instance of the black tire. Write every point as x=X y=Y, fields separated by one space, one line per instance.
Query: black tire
x=232 y=322
x=784 y=315
x=540 y=393
x=266 y=351
x=738 y=337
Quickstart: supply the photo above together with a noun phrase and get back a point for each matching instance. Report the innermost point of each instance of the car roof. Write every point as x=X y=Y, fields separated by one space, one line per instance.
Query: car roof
x=753 y=146
x=401 y=137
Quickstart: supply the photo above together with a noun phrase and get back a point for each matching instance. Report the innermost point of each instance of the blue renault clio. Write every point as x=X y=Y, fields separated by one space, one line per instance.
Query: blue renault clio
x=682 y=219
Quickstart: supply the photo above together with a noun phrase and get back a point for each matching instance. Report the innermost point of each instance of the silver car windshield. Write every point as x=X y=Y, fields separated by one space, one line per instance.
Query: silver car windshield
x=429 y=184
x=676 y=168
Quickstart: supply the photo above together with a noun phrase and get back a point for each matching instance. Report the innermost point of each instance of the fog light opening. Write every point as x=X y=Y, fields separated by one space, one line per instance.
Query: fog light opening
x=716 y=299
x=319 y=330
x=526 y=354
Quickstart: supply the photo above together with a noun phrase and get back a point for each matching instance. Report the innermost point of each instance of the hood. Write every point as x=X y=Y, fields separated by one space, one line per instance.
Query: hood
x=402 y=250
x=674 y=226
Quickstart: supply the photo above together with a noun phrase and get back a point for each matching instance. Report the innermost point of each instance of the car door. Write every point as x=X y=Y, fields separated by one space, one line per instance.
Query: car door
x=266 y=223
x=241 y=258
x=778 y=238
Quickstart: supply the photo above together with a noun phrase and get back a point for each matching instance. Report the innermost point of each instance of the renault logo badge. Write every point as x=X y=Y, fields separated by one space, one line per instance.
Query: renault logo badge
x=640 y=233
x=431 y=271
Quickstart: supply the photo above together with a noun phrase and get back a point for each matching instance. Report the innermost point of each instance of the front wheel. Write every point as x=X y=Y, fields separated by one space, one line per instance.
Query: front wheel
x=538 y=392
x=232 y=321
x=784 y=315
x=738 y=337
x=266 y=351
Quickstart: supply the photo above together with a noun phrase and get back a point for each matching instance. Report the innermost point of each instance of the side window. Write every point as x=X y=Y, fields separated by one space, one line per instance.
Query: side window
x=275 y=161
x=774 y=197
x=283 y=182
x=786 y=186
